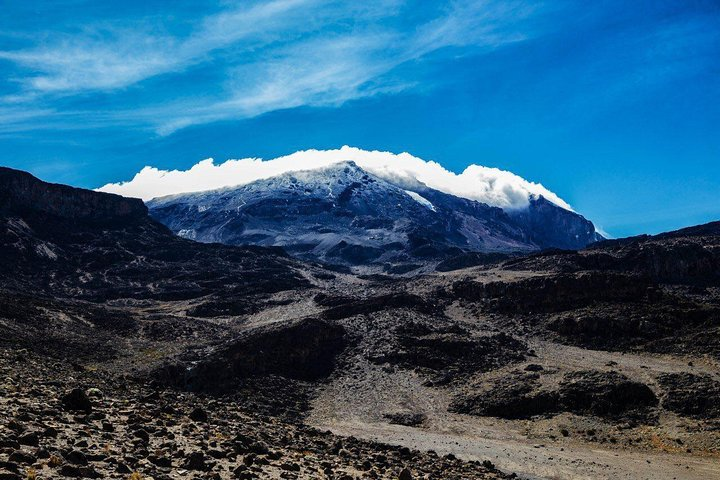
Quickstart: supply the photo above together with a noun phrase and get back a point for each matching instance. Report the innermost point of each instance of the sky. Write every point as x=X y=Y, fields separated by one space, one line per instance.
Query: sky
x=613 y=105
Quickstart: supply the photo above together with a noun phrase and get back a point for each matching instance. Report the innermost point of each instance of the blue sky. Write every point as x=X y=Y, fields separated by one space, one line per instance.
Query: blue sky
x=613 y=105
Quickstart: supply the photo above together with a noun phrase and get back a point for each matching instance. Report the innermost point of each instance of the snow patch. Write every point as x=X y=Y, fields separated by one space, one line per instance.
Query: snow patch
x=190 y=233
x=421 y=200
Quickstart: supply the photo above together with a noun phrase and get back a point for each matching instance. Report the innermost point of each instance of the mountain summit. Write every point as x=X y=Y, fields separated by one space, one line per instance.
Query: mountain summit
x=492 y=186
x=343 y=214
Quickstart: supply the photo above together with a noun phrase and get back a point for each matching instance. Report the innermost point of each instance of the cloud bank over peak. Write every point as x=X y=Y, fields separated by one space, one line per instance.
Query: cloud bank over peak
x=488 y=185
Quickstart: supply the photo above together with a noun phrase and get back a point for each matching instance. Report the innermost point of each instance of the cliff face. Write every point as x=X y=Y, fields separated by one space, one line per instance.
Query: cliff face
x=21 y=193
x=550 y=226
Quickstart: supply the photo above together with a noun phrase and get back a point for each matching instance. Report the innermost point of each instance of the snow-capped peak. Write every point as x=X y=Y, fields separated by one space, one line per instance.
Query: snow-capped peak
x=485 y=184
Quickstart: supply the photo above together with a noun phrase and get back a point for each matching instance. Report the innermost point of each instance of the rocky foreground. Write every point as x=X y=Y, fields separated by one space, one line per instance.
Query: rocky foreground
x=66 y=420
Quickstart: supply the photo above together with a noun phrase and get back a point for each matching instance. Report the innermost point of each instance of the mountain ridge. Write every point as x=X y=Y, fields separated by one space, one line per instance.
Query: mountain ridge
x=24 y=192
x=97 y=245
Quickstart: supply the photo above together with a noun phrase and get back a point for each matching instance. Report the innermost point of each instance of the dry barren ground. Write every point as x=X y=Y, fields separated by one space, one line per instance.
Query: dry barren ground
x=356 y=404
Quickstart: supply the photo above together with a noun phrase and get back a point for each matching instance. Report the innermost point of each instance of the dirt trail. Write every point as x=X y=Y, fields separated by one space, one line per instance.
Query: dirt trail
x=513 y=453
x=642 y=366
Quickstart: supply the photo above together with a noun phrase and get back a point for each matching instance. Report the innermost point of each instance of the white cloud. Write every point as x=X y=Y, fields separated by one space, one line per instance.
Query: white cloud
x=488 y=185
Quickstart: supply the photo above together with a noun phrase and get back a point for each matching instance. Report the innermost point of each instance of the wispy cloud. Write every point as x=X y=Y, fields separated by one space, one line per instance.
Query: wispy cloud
x=19 y=118
x=111 y=58
x=268 y=56
x=315 y=72
x=332 y=69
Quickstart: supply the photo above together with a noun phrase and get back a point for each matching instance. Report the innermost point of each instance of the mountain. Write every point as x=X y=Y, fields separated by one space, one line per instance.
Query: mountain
x=166 y=356
x=344 y=215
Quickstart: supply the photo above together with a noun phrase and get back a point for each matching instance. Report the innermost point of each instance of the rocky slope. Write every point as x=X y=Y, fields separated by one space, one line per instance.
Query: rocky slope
x=565 y=364
x=346 y=216
x=659 y=293
x=101 y=246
